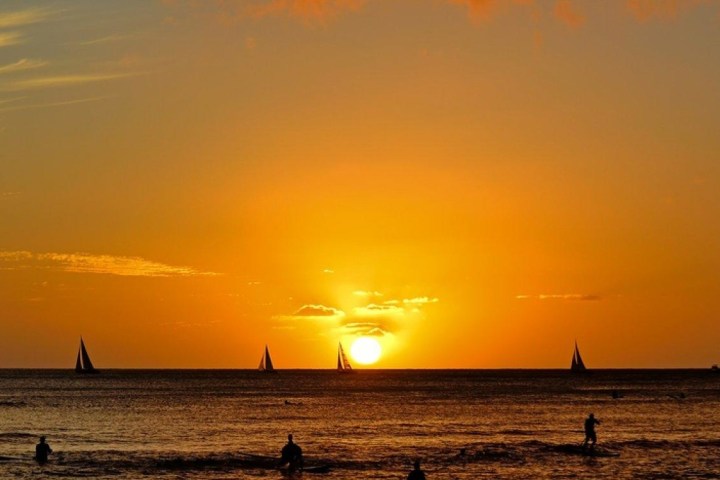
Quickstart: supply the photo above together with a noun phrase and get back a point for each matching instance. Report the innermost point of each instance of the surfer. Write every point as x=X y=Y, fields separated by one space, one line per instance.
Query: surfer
x=42 y=450
x=590 y=435
x=292 y=455
x=416 y=473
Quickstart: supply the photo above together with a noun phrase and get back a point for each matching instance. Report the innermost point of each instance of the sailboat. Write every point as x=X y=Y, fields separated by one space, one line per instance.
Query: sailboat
x=266 y=364
x=83 y=363
x=343 y=366
x=577 y=364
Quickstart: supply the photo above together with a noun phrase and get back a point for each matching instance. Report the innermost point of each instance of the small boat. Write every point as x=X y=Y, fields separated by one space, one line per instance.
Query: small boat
x=343 y=366
x=577 y=364
x=715 y=368
x=266 y=364
x=83 y=363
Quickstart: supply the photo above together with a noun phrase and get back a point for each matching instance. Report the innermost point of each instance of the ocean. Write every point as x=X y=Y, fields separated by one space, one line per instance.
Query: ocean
x=205 y=424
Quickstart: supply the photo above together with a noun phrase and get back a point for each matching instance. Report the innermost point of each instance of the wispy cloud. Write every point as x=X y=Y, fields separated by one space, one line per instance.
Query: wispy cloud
x=367 y=293
x=23 y=17
x=10 y=38
x=92 y=263
x=374 y=310
x=420 y=300
x=51 y=104
x=11 y=100
x=560 y=296
x=23 y=64
x=63 y=81
x=9 y=194
x=102 y=40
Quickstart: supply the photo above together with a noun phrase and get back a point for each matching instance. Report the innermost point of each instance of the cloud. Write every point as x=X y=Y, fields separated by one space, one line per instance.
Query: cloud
x=9 y=194
x=389 y=318
x=63 y=81
x=23 y=17
x=20 y=65
x=367 y=329
x=15 y=256
x=374 y=310
x=92 y=263
x=367 y=293
x=51 y=104
x=565 y=12
x=102 y=40
x=10 y=38
x=10 y=100
x=560 y=296
x=420 y=300
x=318 y=311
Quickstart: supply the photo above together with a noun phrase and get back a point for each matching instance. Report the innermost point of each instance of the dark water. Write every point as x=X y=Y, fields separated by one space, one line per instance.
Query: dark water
x=513 y=424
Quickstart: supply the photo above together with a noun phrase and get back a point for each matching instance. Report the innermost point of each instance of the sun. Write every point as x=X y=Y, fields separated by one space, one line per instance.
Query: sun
x=365 y=350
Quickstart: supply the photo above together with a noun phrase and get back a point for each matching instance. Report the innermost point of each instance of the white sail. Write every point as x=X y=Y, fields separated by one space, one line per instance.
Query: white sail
x=343 y=365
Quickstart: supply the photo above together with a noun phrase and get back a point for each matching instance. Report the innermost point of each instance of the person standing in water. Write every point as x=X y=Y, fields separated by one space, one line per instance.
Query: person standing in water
x=42 y=450
x=590 y=435
x=416 y=473
x=292 y=455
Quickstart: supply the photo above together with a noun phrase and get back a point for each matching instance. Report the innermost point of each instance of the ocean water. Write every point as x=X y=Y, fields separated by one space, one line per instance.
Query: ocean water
x=125 y=424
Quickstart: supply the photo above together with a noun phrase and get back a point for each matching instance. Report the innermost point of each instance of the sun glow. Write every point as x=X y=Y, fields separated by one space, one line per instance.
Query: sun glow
x=365 y=350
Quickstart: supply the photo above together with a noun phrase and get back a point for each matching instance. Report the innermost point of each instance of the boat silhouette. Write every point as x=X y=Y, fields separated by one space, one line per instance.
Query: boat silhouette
x=266 y=364
x=577 y=364
x=83 y=363
x=343 y=365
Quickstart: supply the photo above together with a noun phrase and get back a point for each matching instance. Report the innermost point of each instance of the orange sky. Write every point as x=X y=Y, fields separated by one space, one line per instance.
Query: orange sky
x=475 y=183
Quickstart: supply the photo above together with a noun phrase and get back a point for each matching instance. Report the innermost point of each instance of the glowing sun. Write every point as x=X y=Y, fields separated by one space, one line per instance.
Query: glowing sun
x=365 y=350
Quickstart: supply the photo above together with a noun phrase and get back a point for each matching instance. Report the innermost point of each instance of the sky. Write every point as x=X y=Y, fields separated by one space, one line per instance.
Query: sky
x=473 y=183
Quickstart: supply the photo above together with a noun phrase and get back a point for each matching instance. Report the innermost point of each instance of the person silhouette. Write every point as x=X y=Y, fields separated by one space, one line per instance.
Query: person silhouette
x=590 y=435
x=416 y=473
x=42 y=450
x=292 y=455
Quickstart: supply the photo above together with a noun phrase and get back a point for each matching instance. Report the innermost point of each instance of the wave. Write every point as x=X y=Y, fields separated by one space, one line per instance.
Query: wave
x=111 y=463
x=17 y=435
